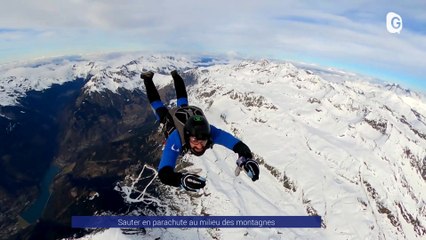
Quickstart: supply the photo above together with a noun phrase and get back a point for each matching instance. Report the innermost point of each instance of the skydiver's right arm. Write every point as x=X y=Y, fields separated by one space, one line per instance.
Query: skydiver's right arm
x=166 y=169
x=171 y=152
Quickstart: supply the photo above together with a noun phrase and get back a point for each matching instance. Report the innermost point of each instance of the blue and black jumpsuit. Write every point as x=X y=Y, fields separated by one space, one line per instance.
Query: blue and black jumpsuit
x=173 y=146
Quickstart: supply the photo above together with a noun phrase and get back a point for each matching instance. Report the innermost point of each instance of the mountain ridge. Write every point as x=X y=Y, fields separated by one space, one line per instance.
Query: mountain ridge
x=359 y=144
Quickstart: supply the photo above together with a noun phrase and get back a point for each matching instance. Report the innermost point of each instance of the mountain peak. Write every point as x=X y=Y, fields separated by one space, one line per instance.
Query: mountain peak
x=342 y=149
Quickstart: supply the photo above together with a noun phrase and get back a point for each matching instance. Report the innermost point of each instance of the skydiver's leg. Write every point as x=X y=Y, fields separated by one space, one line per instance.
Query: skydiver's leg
x=181 y=95
x=157 y=105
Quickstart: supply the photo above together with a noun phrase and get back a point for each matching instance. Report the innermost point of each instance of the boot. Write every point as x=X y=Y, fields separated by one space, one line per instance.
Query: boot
x=147 y=75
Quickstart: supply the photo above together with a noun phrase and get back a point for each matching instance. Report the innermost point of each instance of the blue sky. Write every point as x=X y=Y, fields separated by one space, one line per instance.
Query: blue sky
x=346 y=34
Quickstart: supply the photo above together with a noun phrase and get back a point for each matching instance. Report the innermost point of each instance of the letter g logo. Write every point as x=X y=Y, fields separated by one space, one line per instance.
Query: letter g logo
x=393 y=22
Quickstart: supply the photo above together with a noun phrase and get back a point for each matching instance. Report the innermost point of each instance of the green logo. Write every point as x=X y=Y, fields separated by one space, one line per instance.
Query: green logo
x=198 y=118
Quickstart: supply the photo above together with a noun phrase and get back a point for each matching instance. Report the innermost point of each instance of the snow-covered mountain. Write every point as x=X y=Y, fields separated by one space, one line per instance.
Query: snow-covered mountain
x=352 y=152
x=108 y=71
x=330 y=143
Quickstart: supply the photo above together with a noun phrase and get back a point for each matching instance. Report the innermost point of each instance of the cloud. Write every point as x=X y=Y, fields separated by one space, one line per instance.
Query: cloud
x=345 y=33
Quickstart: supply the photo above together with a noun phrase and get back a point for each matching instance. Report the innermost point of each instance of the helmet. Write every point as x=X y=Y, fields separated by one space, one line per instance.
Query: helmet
x=198 y=127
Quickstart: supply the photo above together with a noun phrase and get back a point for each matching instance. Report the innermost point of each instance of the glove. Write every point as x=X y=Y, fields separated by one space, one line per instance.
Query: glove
x=192 y=182
x=243 y=150
x=250 y=166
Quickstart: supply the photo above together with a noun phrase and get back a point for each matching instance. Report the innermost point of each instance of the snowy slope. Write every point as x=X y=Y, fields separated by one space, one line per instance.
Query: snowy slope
x=18 y=78
x=330 y=143
x=104 y=71
x=127 y=75
x=350 y=151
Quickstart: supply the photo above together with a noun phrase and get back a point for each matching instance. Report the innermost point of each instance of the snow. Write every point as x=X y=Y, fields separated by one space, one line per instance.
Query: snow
x=313 y=132
x=103 y=72
x=331 y=143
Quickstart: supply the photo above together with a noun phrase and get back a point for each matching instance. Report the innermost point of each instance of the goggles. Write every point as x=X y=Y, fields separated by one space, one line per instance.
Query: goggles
x=195 y=141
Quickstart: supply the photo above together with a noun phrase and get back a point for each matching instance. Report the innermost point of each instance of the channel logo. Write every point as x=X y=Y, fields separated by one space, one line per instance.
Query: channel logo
x=393 y=22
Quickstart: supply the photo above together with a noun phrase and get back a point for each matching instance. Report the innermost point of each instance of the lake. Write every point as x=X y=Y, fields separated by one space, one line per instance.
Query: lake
x=36 y=210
